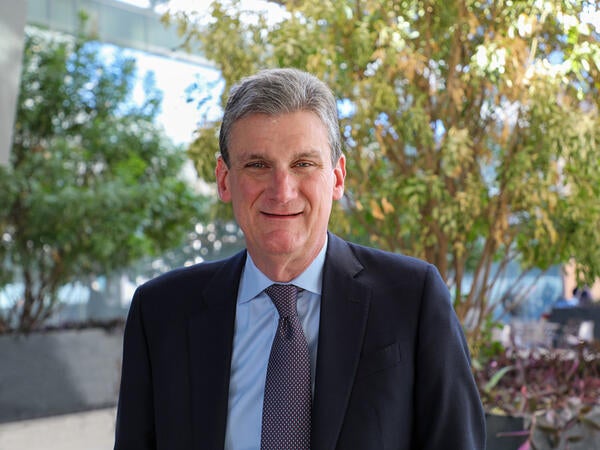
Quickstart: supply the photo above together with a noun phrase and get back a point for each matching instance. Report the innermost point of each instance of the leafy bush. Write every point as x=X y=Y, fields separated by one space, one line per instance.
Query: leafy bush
x=93 y=182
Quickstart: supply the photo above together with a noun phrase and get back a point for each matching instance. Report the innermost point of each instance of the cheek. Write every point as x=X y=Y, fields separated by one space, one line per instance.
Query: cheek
x=247 y=192
x=320 y=193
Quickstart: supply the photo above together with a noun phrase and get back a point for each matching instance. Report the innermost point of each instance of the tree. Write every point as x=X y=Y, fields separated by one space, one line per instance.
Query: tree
x=471 y=127
x=93 y=182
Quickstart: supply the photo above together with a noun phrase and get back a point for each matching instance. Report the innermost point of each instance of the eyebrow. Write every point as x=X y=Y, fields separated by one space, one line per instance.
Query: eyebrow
x=315 y=154
x=309 y=154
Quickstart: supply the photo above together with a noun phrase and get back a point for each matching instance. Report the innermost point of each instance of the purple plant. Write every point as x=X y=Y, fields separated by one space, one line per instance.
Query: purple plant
x=556 y=390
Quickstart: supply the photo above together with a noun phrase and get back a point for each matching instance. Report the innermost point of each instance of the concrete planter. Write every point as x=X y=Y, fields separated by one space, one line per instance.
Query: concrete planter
x=502 y=433
x=59 y=372
x=499 y=429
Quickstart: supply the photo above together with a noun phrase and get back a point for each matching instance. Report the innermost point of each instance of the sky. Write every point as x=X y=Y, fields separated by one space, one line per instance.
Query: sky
x=179 y=116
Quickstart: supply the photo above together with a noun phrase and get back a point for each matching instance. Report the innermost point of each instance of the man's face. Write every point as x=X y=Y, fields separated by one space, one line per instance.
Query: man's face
x=281 y=183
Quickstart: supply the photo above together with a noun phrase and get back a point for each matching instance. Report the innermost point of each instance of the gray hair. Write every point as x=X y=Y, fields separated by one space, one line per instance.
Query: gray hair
x=280 y=91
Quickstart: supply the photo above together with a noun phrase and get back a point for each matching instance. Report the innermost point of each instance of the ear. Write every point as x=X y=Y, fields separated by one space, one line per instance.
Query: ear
x=339 y=173
x=222 y=176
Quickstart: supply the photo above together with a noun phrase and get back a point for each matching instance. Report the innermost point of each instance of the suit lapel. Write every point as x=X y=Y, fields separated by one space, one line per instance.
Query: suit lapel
x=211 y=328
x=344 y=311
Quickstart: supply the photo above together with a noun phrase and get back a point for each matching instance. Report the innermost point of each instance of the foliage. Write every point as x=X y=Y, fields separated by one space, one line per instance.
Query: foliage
x=558 y=390
x=471 y=128
x=487 y=347
x=212 y=241
x=93 y=183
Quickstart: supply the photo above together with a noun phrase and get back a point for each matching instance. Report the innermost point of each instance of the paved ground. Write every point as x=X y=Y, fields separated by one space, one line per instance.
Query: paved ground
x=92 y=430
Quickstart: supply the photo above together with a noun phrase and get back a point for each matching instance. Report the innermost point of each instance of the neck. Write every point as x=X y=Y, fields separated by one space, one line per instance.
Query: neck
x=284 y=267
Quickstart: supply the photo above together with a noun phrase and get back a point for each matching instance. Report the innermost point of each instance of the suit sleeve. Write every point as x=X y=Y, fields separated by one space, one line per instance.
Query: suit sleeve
x=449 y=414
x=135 y=412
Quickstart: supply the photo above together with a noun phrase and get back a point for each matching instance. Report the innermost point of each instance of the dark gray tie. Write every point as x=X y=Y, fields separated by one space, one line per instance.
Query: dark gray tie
x=288 y=398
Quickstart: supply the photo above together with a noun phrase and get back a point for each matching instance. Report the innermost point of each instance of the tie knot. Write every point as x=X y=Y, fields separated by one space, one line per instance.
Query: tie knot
x=284 y=298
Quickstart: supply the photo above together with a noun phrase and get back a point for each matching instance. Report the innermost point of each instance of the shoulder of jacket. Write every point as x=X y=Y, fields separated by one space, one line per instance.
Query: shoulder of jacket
x=196 y=273
x=367 y=254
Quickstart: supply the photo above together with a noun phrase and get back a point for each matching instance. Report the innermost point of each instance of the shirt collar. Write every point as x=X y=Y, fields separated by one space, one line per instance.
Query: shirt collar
x=253 y=281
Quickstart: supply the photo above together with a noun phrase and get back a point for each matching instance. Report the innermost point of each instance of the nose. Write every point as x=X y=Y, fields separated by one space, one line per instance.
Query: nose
x=282 y=185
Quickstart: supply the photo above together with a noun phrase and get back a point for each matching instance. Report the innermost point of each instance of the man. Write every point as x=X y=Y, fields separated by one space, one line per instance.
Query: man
x=374 y=358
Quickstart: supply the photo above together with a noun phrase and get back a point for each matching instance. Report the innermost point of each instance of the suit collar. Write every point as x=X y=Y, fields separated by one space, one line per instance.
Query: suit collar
x=344 y=311
x=211 y=328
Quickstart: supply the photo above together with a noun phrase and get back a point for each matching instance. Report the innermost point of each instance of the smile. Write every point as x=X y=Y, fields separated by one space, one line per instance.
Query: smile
x=281 y=216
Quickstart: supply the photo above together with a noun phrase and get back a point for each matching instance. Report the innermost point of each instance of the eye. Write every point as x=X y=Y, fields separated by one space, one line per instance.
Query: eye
x=256 y=165
x=304 y=164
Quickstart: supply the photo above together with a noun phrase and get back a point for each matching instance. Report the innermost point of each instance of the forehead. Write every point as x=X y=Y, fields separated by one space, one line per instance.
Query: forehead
x=300 y=131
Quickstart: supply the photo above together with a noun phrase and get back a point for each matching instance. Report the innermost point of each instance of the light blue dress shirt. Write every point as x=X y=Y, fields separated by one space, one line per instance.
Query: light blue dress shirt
x=255 y=325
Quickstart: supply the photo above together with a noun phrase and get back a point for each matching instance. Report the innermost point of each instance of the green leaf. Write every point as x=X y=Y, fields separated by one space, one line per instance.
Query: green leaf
x=496 y=378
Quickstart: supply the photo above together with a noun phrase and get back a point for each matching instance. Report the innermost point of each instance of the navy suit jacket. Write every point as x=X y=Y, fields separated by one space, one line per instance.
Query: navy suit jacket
x=393 y=369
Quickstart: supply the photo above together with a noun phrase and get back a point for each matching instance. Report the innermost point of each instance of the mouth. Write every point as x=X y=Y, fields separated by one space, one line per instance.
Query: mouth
x=281 y=215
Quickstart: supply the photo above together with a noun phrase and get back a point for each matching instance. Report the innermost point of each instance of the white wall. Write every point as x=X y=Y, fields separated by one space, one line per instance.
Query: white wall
x=12 y=24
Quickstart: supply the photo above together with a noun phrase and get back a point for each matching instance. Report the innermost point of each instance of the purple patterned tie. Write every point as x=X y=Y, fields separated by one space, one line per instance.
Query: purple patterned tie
x=288 y=398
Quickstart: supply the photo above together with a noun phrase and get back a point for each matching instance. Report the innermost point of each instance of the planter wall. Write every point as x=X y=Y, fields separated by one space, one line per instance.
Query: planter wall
x=583 y=435
x=496 y=424
x=59 y=372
